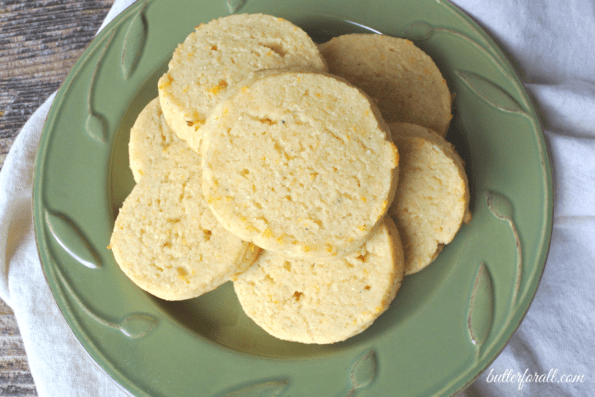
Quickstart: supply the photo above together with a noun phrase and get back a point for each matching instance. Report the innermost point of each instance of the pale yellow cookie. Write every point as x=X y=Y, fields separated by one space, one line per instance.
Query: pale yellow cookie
x=149 y=137
x=432 y=201
x=320 y=301
x=405 y=81
x=299 y=162
x=165 y=238
x=220 y=53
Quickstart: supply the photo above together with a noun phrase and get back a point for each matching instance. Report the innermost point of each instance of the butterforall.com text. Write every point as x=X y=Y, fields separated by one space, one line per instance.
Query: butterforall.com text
x=527 y=377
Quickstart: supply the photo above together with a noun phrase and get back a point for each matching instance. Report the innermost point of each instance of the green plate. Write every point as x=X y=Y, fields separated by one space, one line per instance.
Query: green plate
x=448 y=322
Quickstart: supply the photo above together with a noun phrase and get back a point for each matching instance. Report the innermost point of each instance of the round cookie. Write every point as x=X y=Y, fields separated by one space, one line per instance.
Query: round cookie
x=165 y=238
x=432 y=201
x=299 y=162
x=323 y=301
x=149 y=137
x=405 y=82
x=219 y=54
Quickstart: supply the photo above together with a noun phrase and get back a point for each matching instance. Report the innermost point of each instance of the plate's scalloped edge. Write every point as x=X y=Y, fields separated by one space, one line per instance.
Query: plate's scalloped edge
x=134 y=40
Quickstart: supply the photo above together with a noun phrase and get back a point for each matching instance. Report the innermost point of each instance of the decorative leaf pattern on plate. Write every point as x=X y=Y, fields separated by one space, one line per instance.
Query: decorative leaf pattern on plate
x=490 y=92
x=484 y=43
x=502 y=209
x=137 y=325
x=134 y=325
x=234 y=5
x=497 y=97
x=95 y=124
x=63 y=229
x=481 y=307
x=499 y=205
x=264 y=389
x=418 y=31
x=363 y=372
x=134 y=42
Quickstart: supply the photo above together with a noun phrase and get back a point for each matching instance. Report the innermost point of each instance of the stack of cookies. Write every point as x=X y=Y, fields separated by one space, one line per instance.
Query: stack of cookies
x=269 y=161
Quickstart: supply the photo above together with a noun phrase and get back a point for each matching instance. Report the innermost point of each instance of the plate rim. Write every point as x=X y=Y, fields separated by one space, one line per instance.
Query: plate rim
x=40 y=228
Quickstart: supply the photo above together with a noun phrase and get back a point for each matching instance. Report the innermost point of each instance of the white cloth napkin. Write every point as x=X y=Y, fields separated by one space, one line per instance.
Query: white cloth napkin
x=551 y=45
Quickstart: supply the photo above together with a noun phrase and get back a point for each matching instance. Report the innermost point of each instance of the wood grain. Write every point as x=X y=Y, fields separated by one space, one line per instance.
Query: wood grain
x=15 y=378
x=39 y=43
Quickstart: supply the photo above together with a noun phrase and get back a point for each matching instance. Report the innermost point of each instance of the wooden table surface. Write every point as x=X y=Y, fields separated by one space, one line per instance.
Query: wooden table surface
x=40 y=40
